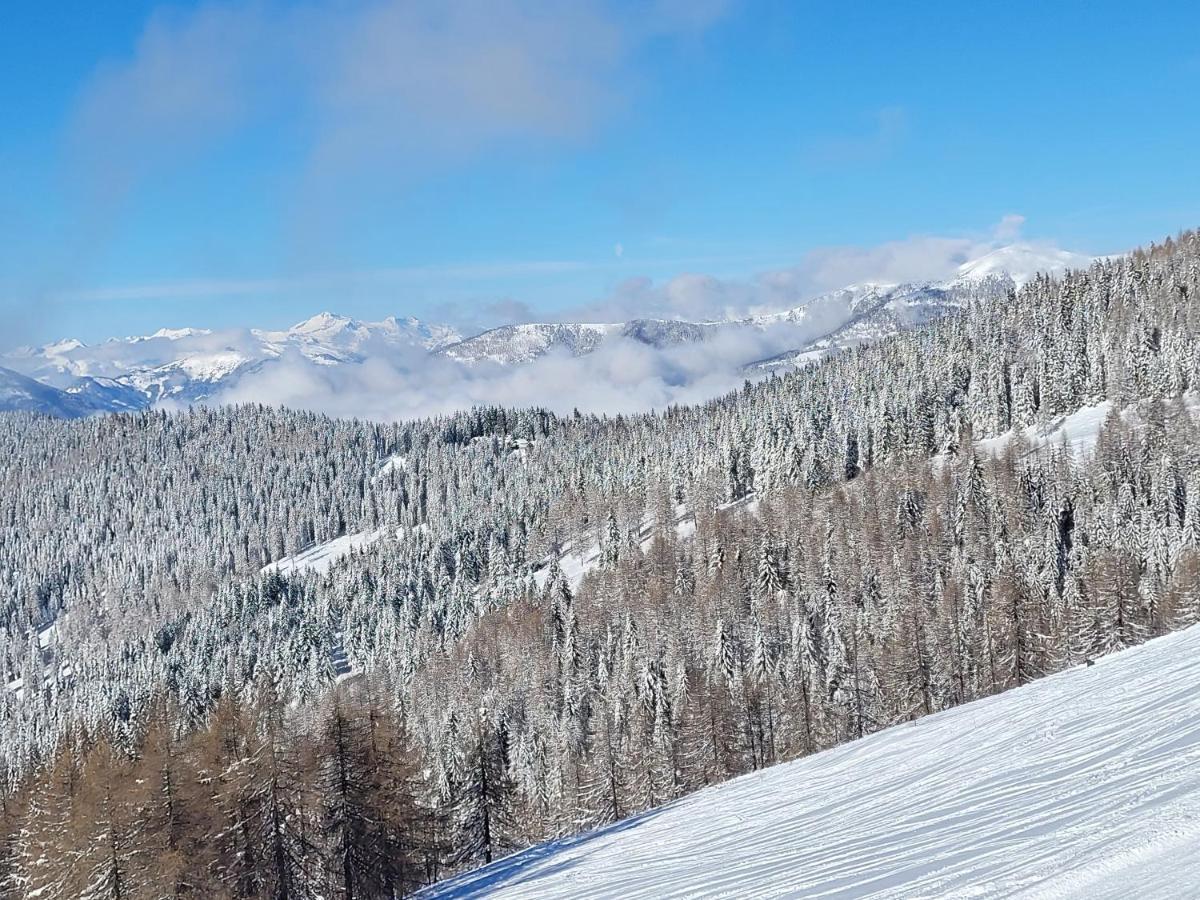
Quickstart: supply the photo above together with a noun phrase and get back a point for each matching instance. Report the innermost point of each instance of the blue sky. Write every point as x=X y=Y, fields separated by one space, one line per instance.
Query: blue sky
x=254 y=163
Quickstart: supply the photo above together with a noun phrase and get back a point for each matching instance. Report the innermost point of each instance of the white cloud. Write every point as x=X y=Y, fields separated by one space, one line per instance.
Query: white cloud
x=695 y=296
x=1008 y=228
x=368 y=97
x=622 y=376
x=365 y=81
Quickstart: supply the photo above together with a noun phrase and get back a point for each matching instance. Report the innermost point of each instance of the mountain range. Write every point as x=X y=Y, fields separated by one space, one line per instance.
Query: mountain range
x=182 y=366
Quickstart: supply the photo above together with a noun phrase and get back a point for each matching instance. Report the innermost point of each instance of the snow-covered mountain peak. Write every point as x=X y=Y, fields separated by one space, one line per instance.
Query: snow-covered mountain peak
x=1021 y=262
x=187 y=365
x=339 y=333
x=323 y=323
x=174 y=334
x=65 y=346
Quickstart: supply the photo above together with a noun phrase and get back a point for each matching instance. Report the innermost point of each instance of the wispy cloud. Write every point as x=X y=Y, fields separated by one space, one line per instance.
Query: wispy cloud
x=367 y=82
x=336 y=282
x=690 y=295
x=369 y=97
x=700 y=296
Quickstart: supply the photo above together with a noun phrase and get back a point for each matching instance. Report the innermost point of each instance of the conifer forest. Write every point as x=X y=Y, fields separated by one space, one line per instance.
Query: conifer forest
x=536 y=624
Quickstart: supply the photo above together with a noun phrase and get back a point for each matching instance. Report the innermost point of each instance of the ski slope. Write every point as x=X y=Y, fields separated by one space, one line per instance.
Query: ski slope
x=1084 y=784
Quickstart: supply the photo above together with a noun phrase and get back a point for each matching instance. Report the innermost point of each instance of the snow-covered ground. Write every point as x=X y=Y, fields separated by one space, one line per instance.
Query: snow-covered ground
x=397 y=463
x=576 y=564
x=1084 y=784
x=47 y=639
x=322 y=556
x=1078 y=430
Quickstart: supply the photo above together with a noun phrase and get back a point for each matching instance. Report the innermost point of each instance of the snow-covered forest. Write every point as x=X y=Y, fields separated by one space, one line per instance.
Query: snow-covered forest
x=310 y=646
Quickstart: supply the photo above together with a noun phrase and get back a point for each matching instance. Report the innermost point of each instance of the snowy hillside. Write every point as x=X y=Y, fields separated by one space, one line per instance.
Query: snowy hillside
x=516 y=344
x=862 y=313
x=1084 y=784
x=513 y=345
x=321 y=557
x=1021 y=262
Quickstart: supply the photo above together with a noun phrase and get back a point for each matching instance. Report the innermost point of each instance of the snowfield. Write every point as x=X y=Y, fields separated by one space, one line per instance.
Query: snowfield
x=1077 y=431
x=1083 y=784
x=321 y=557
x=576 y=564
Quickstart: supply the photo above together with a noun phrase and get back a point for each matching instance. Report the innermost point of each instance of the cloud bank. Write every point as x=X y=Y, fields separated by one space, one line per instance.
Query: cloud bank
x=702 y=297
x=622 y=376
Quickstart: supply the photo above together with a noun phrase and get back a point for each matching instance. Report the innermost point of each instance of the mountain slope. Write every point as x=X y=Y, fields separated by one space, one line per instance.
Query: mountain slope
x=21 y=394
x=1083 y=784
x=515 y=344
x=1022 y=262
x=512 y=345
x=862 y=313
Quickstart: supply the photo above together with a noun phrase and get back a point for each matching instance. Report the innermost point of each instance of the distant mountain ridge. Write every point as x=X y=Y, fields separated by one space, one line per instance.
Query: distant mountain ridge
x=190 y=365
x=831 y=321
x=511 y=345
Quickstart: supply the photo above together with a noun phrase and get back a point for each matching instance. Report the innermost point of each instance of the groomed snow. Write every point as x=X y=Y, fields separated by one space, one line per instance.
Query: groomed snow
x=1083 y=784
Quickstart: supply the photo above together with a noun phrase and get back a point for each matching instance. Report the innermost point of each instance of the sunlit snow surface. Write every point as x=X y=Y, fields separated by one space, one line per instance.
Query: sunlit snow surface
x=1079 y=430
x=1083 y=784
x=321 y=557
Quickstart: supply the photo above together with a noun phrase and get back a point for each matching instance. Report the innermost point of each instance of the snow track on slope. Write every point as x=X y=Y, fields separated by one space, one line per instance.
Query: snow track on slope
x=1083 y=784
